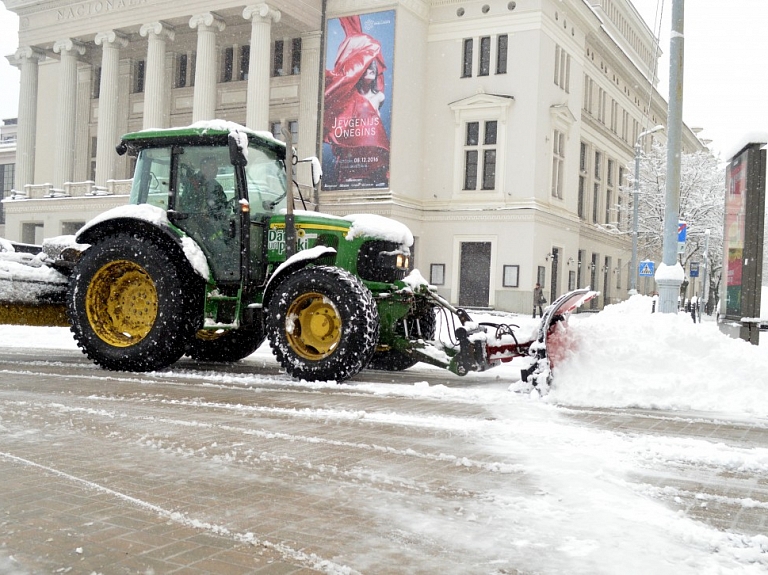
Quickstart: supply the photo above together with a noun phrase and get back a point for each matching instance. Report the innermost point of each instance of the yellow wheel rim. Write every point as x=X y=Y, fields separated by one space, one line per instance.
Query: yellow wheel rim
x=313 y=326
x=121 y=303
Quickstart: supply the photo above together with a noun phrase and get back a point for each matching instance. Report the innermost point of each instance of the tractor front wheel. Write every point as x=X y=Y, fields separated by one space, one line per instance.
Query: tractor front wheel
x=131 y=304
x=323 y=324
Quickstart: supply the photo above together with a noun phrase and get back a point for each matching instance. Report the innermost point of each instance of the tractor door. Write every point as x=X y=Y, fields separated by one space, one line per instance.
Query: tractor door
x=266 y=181
x=206 y=206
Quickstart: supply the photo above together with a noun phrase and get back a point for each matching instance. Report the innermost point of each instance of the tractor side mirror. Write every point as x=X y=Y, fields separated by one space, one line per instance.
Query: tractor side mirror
x=317 y=169
x=238 y=146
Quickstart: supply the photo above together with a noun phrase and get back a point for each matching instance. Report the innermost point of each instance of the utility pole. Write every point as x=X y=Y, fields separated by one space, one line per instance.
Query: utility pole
x=670 y=274
x=635 y=202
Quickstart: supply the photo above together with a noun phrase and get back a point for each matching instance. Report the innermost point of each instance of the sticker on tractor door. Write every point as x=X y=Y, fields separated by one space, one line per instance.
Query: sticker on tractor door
x=277 y=239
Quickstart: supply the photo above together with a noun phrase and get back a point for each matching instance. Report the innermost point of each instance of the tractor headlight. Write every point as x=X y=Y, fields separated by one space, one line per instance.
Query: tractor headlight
x=402 y=261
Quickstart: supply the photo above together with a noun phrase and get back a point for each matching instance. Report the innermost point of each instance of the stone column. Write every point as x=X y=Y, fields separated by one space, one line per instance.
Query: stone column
x=155 y=94
x=309 y=86
x=257 y=106
x=82 y=165
x=204 y=102
x=63 y=162
x=26 y=57
x=106 y=135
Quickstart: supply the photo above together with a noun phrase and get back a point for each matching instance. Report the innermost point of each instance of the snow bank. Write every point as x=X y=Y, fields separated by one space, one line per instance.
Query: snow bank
x=626 y=356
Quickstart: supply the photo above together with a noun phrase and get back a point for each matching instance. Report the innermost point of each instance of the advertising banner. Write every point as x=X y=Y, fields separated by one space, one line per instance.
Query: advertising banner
x=357 y=106
x=735 y=226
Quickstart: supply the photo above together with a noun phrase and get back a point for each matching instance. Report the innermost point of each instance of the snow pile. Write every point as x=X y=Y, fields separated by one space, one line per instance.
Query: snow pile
x=626 y=356
x=379 y=227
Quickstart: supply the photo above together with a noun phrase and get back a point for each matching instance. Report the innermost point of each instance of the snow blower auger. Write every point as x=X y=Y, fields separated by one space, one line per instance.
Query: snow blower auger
x=479 y=346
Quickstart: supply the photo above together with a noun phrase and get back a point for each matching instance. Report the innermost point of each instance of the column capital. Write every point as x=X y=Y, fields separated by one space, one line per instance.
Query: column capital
x=160 y=29
x=25 y=53
x=111 y=37
x=207 y=20
x=68 y=45
x=262 y=11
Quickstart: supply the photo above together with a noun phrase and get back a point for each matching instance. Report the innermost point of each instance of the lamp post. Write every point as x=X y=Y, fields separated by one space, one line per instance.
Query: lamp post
x=636 y=197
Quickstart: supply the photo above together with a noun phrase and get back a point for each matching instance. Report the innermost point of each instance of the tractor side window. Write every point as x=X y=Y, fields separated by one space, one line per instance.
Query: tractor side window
x=151 y=180
x=267 y=182
x=206 y=180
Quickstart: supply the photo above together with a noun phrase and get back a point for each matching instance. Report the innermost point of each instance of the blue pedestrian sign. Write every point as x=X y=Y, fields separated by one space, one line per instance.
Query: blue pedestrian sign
x=694 y=272
x=646 y=268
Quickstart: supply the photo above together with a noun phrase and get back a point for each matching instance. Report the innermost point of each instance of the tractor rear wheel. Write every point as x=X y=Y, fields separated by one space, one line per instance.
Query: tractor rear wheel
x=132 y=305
x=232 y=345
x=323 y=324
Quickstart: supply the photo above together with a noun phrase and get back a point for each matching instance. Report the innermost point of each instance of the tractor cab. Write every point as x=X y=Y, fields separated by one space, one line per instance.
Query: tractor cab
x=219 y=192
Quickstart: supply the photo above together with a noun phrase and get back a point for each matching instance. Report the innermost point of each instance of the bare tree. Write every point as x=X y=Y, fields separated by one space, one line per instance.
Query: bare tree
x=702 y=189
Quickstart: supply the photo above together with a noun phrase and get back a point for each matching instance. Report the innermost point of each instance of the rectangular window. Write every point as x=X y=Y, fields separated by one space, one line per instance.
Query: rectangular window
x=489 y=169
x=96 y=79
x=583 y=157
x=595 y=202
x=562 y=69
x=558 y=161
x=598 y=164
x=466 y=63
x=485 y=56
x=94 y=145
x=473 y=131
x=181 y=71
x=479 y=146
x=501 y=53
x=7 y=173
x=293 y=127
x=245 y=62
x=277 y=58
x=609 y=172
x=470 y=171
x=582 y=196
x=139 y=68
x=490 y=133
x=227 y=63
x=296 y=56
x=277 y=130
x=608 y=206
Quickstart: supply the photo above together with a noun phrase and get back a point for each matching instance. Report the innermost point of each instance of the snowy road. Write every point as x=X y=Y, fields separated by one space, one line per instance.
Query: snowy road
x=243 y=470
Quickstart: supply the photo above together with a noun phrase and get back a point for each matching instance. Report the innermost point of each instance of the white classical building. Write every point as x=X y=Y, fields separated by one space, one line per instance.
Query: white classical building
x=510 y=126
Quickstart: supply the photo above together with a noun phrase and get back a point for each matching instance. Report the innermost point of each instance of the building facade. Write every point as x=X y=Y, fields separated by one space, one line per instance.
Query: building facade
x=508 y=127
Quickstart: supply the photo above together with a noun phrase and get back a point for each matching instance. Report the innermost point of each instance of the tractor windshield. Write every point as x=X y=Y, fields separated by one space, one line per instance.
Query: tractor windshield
x=266 y=179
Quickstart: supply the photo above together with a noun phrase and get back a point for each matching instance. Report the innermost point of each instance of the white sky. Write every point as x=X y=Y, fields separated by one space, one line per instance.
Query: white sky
x=725 y=84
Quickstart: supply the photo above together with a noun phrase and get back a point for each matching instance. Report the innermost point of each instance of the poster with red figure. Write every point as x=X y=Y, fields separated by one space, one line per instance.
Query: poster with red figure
x=357 y=106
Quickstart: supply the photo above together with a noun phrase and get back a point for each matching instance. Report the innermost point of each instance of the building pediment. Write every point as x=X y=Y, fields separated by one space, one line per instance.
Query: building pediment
x=481 y=101
x=562 y=114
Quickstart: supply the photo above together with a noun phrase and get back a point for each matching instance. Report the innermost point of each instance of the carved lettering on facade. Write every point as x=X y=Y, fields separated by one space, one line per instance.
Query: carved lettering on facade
x=94 y=8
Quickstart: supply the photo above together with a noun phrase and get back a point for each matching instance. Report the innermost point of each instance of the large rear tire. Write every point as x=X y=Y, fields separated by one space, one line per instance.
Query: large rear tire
x=323 y=324
x=132 y=305
x=422 y=324
x=228 y=346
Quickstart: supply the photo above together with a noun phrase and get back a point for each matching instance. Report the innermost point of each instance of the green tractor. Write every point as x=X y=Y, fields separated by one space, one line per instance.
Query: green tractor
x=209 y=258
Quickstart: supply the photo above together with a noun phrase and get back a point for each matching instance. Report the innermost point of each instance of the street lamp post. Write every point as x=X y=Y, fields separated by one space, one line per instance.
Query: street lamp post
x=635 y=201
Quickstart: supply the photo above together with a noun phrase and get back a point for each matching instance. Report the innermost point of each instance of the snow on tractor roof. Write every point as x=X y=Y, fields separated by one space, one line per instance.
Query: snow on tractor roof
x=204 y=128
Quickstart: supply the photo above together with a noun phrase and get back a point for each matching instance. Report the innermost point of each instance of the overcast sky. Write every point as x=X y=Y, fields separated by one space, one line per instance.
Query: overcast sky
x=725 y=83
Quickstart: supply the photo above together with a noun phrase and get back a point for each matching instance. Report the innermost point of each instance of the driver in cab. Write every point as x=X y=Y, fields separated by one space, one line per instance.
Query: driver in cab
x=207 y=191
